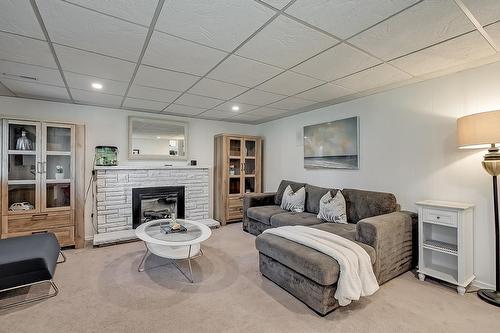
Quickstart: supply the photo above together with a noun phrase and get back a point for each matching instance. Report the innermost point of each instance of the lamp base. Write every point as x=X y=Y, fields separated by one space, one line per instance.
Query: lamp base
x=490 y=296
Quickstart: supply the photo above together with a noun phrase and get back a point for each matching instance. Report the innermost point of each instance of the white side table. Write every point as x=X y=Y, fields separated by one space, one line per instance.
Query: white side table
x=446 y=237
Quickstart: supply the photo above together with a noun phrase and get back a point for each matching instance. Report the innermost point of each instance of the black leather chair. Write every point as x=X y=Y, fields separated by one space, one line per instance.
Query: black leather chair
x=29 y=260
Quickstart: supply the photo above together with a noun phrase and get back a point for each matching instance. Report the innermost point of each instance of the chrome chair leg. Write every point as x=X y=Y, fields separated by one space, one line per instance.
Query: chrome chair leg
x=63 y=256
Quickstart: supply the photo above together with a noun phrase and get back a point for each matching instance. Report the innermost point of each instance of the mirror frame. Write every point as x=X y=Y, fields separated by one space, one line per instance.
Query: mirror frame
x=131 y=156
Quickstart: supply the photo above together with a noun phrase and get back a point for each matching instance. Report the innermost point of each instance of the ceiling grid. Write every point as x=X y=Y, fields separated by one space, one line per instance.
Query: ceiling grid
x=270 y=58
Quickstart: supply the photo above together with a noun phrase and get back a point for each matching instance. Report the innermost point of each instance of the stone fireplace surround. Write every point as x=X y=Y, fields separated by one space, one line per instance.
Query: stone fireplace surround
x=114 y=196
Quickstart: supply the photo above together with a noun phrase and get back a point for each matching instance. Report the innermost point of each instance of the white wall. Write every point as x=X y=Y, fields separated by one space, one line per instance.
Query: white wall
x=106 y=126
x=407 y=147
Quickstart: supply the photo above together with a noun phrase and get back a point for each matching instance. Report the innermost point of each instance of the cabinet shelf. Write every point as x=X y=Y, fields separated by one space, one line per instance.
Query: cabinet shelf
x=59 y=153
x=440 y=246
x=21 y=152
x=58 y=181
x=22 y=182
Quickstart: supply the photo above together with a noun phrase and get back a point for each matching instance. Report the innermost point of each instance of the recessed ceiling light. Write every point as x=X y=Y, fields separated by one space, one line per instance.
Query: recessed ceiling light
x=158 y=137
x=96 y=85
x=235 y=108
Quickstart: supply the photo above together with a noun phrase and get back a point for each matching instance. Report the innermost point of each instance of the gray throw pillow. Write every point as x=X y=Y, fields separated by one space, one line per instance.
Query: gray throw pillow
x=293 y=201
x=333 y=209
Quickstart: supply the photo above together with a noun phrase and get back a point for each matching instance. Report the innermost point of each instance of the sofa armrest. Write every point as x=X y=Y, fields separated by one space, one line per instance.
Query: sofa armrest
x=255 y=200
x=394 y=238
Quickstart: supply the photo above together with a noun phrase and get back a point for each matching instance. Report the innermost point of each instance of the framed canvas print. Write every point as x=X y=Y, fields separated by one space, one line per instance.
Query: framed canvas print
x=332 y=145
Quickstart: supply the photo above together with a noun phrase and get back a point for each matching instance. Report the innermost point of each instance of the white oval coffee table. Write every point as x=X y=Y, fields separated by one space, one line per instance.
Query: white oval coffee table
x=174 y=246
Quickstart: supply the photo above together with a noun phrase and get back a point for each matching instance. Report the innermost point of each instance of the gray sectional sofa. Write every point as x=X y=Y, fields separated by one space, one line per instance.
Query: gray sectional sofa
x=375 y=223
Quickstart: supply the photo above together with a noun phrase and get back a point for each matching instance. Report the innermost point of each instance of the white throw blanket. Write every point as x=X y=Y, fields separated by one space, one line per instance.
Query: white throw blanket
x=356 y=277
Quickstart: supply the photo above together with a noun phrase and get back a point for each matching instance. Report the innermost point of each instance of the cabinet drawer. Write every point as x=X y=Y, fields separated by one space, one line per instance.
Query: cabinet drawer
x=65 y=236
x=235 y=202
x=34 y=222
x=440 y=216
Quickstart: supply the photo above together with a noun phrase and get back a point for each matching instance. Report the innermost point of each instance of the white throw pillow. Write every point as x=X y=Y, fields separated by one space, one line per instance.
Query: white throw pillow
x=293 y=201
x=333 y=209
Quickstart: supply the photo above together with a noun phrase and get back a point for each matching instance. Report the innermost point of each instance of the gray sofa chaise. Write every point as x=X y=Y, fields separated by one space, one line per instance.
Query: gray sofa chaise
x=375 y=223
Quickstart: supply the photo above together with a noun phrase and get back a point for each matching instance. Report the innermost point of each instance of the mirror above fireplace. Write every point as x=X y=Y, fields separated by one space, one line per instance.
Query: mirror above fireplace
x=159 y=139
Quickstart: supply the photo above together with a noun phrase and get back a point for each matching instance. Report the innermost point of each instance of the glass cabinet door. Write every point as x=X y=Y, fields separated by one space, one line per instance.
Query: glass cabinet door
x=23 y=169
x=249 y=165
x=58 y=166
x=235 y=166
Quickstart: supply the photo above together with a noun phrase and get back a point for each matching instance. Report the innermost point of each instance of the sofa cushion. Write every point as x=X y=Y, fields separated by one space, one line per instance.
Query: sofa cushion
x=294 y=218
x=313 y=195
x=311 y=263
x=263 y=214
x=363 y=204
x=284 y=183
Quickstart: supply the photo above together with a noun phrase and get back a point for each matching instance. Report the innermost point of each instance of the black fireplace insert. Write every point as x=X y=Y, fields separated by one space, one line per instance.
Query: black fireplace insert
x=152 y=203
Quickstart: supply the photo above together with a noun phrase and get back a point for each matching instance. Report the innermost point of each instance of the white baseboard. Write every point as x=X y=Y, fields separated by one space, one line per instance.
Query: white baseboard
x=482 y=285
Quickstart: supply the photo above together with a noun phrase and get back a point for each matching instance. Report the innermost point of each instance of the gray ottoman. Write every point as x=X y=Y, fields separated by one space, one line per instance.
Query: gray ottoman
x=29 y=260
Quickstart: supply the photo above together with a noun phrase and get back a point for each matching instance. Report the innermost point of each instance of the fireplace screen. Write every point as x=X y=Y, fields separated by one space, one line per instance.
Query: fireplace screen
x=153 y=203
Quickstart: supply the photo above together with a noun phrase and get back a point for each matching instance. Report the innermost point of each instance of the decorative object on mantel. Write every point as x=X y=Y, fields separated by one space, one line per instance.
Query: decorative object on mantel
x=106 y=156
x=482 y=130
x=333 y=144
x=446 y=238
x=237 y=171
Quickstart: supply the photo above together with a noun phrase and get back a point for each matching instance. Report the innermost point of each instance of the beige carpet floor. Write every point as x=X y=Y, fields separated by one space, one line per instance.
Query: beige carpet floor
x=101 y=291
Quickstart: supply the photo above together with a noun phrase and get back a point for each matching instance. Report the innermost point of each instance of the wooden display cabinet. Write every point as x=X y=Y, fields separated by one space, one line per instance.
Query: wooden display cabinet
x=237 y=171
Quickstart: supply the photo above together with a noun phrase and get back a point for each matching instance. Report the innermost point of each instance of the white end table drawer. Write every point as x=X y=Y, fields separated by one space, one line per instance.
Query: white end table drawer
x=440 y=217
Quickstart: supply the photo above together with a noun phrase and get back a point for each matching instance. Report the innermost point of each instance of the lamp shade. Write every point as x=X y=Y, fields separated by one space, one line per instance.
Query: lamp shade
x=479 y=130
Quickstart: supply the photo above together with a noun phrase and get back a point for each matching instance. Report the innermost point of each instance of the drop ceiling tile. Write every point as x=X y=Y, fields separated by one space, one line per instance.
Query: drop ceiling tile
x=94 y=98
x=451 y=53
x=14 y=70
x=198 y=101
x=180 y=55
x=242 y=71
x=184 y=110
x=267 y=112
x=279 y=4
x=35 y=90
x=373 y=78
x=164 y=79
x=325 y=92
x=82 y=28
x=345 y=18
x=258 y=97
x=228 y=107
x=143 y=104
x=407 y=32
x=337 y=62
x=89 y=63
x=494 y=31
x=154 y=94
x=216 y=89
x=222 y=24
x=285 y=43
x=84 y=82
x=216 y=114
x=18 y=17
x=137 y=11
x=247 y=117
x=485 y=11
x=4 y=91
x=289 y=83
x=291 y=103
x=26 y=50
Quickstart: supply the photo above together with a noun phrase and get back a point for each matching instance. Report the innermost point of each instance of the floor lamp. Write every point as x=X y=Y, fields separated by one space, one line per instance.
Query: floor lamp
x=482 y=130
